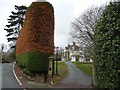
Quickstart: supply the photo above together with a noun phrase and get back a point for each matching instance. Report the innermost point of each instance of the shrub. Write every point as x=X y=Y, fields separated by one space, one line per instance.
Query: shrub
x=34 y=61
x=107 y=47
x=13 y=54
x=4 y=61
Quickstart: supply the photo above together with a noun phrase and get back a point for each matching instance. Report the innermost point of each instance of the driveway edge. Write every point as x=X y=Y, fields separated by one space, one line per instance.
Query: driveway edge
x=15 y=74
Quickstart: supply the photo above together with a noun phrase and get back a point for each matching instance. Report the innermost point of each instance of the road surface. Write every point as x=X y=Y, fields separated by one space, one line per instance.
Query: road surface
x=75 y=78
x=0 y=75
x=8 y=78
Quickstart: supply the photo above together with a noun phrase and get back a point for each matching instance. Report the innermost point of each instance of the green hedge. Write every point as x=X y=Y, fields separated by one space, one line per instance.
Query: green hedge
x=34 y=61
x=107 y=47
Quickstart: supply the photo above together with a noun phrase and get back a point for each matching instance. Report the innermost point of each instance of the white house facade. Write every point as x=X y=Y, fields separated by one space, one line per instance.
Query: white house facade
x=72 y=53
x=75 y=54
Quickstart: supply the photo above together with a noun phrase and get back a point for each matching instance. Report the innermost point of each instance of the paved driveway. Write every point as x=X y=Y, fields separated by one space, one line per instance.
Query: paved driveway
x=75 y=78
x=8 y=79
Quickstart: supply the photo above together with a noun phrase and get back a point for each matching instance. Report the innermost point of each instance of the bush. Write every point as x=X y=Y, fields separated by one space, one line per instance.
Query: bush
x=34 y=61
x=4 y=61
x=107 y=47
x=13 y=54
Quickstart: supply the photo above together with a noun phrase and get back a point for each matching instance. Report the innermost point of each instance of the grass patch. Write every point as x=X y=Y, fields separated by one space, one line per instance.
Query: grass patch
x=62 y=71
x=85 y=67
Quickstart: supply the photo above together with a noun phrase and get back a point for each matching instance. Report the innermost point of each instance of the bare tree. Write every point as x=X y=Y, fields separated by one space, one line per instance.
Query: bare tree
x=83 y=31
x=84 y=27
x=60 y=50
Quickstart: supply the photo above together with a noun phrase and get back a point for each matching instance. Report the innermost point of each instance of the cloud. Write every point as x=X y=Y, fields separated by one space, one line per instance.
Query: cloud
x=63 y=17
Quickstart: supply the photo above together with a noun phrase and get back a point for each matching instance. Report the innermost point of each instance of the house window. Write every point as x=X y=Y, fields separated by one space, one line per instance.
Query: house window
x=73 y=48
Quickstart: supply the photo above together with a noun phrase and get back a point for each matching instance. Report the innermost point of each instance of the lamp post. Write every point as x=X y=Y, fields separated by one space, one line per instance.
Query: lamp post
x=57 y=60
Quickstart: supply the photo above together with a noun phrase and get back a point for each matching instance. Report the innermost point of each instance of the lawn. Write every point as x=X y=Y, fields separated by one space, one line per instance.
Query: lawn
x=62 y=71
x=85 y=67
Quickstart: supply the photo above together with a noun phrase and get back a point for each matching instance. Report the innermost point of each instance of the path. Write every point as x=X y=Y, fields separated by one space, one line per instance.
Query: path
x=8 y=78
x=75 y=79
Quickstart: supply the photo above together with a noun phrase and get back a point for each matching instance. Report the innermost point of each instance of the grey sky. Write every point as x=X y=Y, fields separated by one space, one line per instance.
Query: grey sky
x=65 y=12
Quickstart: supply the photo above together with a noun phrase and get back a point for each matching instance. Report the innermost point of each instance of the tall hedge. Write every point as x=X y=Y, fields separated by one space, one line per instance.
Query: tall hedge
x=36 y=38
x=34 y=61
x=107 y=47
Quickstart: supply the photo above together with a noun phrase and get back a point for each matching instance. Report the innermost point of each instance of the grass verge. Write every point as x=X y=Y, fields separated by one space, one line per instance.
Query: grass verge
x=85 y=67
x=62 y=71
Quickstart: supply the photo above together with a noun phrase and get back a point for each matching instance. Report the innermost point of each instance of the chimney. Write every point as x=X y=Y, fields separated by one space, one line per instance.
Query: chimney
x=73 y=43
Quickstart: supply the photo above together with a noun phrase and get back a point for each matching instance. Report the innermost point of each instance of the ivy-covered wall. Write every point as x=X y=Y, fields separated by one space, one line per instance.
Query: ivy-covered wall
x=36 y=39
x=107 y=47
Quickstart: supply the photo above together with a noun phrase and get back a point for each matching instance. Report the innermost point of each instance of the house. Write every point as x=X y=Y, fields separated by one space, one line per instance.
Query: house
x=72 y=53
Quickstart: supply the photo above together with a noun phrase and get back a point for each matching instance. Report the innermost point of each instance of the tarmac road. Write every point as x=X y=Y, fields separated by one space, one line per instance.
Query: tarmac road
x=0 y=76
x=76 y=78
x=8 y=78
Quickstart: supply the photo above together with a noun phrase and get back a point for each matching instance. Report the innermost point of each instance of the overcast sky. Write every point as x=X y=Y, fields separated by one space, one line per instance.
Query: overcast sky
x=65 y=12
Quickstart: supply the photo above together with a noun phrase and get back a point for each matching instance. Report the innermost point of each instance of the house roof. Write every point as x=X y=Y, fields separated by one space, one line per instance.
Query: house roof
x=71 y=47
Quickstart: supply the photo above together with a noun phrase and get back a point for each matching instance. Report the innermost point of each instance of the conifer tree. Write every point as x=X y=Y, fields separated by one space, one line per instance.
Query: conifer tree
x=15 y=23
